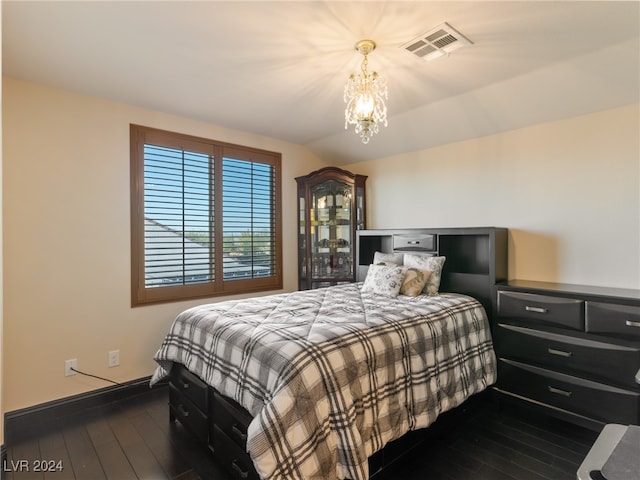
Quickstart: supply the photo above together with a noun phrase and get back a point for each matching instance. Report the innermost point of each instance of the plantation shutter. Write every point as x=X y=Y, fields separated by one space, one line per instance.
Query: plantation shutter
x=178 y=231
x=249 y=218
x=205 y=218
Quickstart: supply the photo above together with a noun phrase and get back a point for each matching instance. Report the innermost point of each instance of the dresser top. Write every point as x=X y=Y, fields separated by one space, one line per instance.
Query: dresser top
x=585 y=290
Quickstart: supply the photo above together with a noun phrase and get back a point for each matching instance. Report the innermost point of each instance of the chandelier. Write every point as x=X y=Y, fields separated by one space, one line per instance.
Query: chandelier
x=365 y=94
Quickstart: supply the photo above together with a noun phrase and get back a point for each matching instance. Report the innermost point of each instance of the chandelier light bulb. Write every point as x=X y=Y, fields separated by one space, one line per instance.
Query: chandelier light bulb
x=364 y=105
x=365 y=94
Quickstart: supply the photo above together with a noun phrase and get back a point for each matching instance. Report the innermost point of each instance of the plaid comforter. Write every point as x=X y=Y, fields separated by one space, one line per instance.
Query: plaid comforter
x=332 y=375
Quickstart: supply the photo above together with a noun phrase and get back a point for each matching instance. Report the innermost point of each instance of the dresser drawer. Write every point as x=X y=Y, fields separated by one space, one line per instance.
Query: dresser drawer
x=610 y=318
x=594 y=400
x=189 y=415
x=597 y=360
x=232 y=419
x=558 y=311
x=189 y=385
x=234 y=458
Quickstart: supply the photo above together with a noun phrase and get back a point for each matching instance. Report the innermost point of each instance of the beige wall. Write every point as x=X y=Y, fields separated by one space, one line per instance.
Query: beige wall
x=66 y=244
x=569 y=192
x=1 y=270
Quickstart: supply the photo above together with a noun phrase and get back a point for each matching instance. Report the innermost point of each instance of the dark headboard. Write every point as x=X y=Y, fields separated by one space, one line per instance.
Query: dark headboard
x=476 y=256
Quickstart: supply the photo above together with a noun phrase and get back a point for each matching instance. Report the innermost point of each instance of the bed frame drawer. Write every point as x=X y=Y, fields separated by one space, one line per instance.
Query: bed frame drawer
x=603 y=403
x=597 y=360
x=234 y=458
x=558 y=311
x=610 y=318
x=188 y=414
x=190 y=386
x=414 y=242
x=231 y=419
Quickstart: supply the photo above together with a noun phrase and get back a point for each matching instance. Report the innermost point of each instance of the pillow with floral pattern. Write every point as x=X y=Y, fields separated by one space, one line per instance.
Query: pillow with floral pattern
x=384 y=280
x=388 y=258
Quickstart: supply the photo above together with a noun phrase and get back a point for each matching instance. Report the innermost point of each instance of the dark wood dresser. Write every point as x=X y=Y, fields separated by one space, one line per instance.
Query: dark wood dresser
x=572 y=351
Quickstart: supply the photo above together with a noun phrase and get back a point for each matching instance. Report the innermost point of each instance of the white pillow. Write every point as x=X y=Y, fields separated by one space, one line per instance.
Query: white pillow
x=388 y=258
x=384 y=280
x=433 y=264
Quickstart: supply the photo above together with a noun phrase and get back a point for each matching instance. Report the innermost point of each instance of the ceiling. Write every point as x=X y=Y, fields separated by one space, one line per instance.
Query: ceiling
x=278 y=68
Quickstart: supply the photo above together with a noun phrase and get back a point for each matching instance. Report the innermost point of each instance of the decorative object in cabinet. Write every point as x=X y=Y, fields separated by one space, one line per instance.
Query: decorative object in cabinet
x=572 y=351
x=331 y=207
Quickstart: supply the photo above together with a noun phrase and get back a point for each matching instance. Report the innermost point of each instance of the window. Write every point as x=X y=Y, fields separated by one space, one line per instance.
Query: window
x=205 y=218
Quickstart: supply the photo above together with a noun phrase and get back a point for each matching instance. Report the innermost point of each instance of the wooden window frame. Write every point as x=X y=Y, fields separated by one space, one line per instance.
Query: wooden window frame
x=143 y=295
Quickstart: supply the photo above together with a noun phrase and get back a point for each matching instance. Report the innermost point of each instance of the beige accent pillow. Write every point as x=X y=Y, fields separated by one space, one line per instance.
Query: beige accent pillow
x=414 y=281
x=433 y=264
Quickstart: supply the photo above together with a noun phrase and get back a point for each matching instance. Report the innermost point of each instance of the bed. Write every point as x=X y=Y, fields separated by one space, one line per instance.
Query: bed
x=317 y=381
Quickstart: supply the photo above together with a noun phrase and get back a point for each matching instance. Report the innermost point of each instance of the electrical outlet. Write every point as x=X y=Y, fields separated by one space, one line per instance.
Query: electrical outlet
x=114 y=358
x=68 y=365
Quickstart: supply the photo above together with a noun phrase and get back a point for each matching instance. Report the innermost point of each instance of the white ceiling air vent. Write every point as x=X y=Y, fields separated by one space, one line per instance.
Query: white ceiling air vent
x=437 y=42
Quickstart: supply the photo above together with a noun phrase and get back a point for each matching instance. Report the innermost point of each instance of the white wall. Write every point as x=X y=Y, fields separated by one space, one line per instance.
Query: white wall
x=67 y=239
x=569 y=192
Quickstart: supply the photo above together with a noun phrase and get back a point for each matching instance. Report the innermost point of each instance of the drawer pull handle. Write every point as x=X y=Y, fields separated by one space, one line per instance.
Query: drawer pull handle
x=236 y=468
x=413 y=242
x=185 y=385
x=183 y=411
x=629 y=323
x=239 y=433
x=560 y=353
x=535 y=309
x=564 y=393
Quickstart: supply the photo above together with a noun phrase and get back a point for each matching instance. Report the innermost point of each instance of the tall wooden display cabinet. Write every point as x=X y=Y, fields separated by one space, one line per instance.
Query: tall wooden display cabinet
x=331 y=207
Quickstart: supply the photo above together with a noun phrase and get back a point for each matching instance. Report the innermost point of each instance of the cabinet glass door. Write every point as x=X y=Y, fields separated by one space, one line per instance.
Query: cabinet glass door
x=302 y=231
x=330 y=218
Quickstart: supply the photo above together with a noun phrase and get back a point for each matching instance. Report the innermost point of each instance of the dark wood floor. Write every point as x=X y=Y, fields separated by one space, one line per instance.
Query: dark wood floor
x=133 y=439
